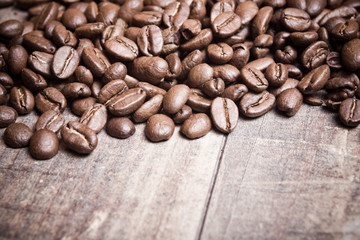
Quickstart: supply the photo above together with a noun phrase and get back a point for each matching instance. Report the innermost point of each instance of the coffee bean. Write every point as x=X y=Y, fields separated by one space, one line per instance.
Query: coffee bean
x=350 y=55
x=289 y=101
x=150 y=69
x=33 y=81
x=6 y=80
x=150 y=89
x=64 y=37
x=50 y=99
x=150 y=40
x=147 y=18
x=111 y=90
x=84 y=75
x=200 y=74
x=22 y=100
x=38 y=43
x=111 y=33
x=73 y=18
x=120 y=127
x=48 y=14
x=313 y=8
x=256 y=104
x=295 y=20
x=17 y=59
x=247 y=11
x=108 y=14
x=75 y=90
x=41 y=62
x=190 y=28
x=219 y=53
x=17 y=135
x=79 y=137
x=254 y=79
x=175 y=14
x=148 y=109
x=235 y=92
x=95 y=60
x=191 y=60
x=260 y=64
x=79 y=106
x=95 y=117
x=315 y=55
x=8 y=115
x=224 y=114
x=127 y=102
x=261 y=21
x=304 y=39
x=334 y=60
x=122 y=48
x=288 y=55
x=115 y=71
x=226 y=24
x=159 y=127
x=203 y=39
x=11 y=28
x=65 y=62
x=228 y=73
x=50 y=120
x=196 y=126
x=183 y=114
x=175 y=66
x=90 y=30
x=44 y=144
x=175 y=98
x=276 y=74
x=314 y=80
x=349 y=112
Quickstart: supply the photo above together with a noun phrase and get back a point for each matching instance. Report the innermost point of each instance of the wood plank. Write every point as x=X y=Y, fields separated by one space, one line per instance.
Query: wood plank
x=285 y=178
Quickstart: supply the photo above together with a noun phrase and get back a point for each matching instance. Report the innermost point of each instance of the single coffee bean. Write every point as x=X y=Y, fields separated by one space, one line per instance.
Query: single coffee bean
x=122 y=48
x=200 y=41
x=11 y=28
x=35 y=82
x=50 y=99
x=17 y=135
x=190 y=28
x=256 y=104
x=213 y=88
x=76 y=90
x=226 y=24
x=241 y=55
x=108 y=14
x=228 y=73
x=49 y=28
x=90 y=30
x=304 y=39
x=313 y=100
x=219 y=53
x=183 y=114
x=334 y=60
x=41 y=63
x=350 y=55
x=95 y=117
x=3 y=95
x=224 y=114
x=261 y=21
x=191 y=60
x=314 y=80
x=148 y=109
x=64 y=37
x=79 y=137
x=111 y=90
x=254 y=79
x=349 y=112
x=198 y=125
x=6 y=80
x=289 y=101
x=44 y=144
x=197 y=9
x=343 y=11
x=17 y=59
x=294 y=71
x=150 y=40
x=295 y=20
x=247 y=11
x=150 y=69
x=150 y=89
x=116 y=71
x=159 y=127
x=95 y=60
x=260 y=64
x=48 y=14
x=144 y=18
x=83 y=43
x=8 y=115
x=313 y=8
x=129 y=9
x=219 y=8
x=65 y=62
x=127 y=102
x=198 y=101
x=289 y=83
x=22 y=100
x=235 y=92
x=315 y=55
x=287 y=56
x=345 y=31
x=120 y=127
x=200 y=74
x=50 y=120
x=175 y=66
x=78 y=107
x=276 y=74
x=38 y=43
x=84 y=75
x=73 y=18
x=111 y=33
x=176 y=98
x=175 y=14
x=131 y=33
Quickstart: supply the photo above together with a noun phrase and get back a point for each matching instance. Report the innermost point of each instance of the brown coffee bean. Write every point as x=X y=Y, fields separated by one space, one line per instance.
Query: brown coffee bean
x=226 y=24
x=175 y=14
x=17 y=59
x=350 y=55
x=200 y=41
x=22 y=100
x=79 y=106
x=289 y=101
x=247 y=11
x=84 y=75
x=183 y=114
x=33 y=81
x=75 y=90
x=73 y=18
x=235 y=92
x=200 y=74
x=191 y=60
x=50 y=99
x=289 y=83
x=287 y=56
x=261 y=21
x=44 y=144
x=295 y=20
x=90 y=30
x=64 y=37
x=108 y=13
x=260 y=64
x=175 y=66
x=112 y=90
x=213 y=88
x=294 y=71
x=48 y=14
x=314 y=80
x=120 y=127
x=228 y=73
x=95 y=60
x=150 y=89
x=83 y=43
x=17 y=135
x=148 y=109
x=190 y=28
x=349 y=112
x=198 y=101
x=256 y=104
x=50 y=120
x=144 y=18
x=175 y=98
x=65 y=62
x=276 y=74
x=219 y=53
x=127 y=102
x=333 y=60
x=8 y=115
x=150 y=69
x=41 y=62
x=304 y=39
x=198 y=125
x=115 y=71
x=95 y=117
x=79 y=137
x=6 y=80
x=315 y=55
x=122 y=48
x=159 y=127
x=241 y=55
x=11 y=28
x=254 y=79
x=150 y=40
x=224 y=114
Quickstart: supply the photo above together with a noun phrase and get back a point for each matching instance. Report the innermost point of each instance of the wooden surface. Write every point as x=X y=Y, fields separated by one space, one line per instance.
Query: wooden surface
x=272 y=178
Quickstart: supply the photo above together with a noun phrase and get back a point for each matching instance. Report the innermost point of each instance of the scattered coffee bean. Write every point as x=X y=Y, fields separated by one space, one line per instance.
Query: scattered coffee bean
x=225 y=114
x=8 y=115
x=256 y=104
x=44 y=144
x=22 y=100
x=196 y=126
x=95 y=117
x=289 y=101
x=50 y=120
x=120 y=127
x=349 y=112
x=159 y=127
x=17 y=135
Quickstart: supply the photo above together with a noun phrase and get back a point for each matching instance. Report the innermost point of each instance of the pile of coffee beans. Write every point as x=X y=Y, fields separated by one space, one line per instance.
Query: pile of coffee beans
x=196 y=63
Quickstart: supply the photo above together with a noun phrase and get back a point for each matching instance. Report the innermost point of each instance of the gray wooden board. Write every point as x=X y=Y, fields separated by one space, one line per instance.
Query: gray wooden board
x=272 y=178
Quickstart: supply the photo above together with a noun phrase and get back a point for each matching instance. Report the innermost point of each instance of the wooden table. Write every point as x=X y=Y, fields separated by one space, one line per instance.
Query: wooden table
x=272 y=178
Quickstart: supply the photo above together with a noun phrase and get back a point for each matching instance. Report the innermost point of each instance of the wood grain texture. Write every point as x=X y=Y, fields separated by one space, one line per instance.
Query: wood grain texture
x=283 y=178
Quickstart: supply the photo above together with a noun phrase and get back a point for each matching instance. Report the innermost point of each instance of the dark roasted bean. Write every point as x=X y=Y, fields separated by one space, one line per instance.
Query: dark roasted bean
x=196 y=126
x=349 y=112
x=120 y=127
x=256 y=104
x=95 y=117
x=50 y=120
x=22 y=100
x=159 y=127
x=224 y=114
x=289 y=101
x=17 y=135
x=8 y=115
x=50 y=99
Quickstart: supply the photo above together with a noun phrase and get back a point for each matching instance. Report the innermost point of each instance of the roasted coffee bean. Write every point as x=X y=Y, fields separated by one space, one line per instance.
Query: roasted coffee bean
x=150 y=40
x=95 y=117
x=295 y=20
x=314 y=80
x=95 y=60
x=111 y=33
x=214 y=87
x=112 y=90
x=73 y=18
x=219 y=53
x=219 y=8
x=159 y=127
x=343 y=11
x=90 y=30
x=198 y=101
x=84 y=75
x=241 y=55
x=334 y=60
x=49 y=28
x=183 y=114
x=200 y=41
x=33 y=81
x=228 y=73
x=11 y=28
x=190 y=28
x=120 y=127
x=313 y=8
x=175 y=66
x=294 y=71
x=50 y=99
x=83 y=43
x=8 y=115
x=17 y=59
x=91 y=12
x=260 y=64
x=147 y=18
x=349 y=112
x=79 y=137
x=171 y=37
x=281 y=39
x=50 y=120
x=198 y=125
x=3 y=95
x=75 y=90
x=41 y=63
x=191 y=60
x=276 y=74
x=44 y=144
x=200 y=74
x=346 y=31
x=226 y=24
x=289 y=101
x=224 y=114
x=313 y=100
x=175 y=98
x=127 y=102
x=115 y=71
x=287 y=56
x=6 y=80
x=247 y=11
x=48 y=14
x=22 y=100
x=304 y=39
x=254 y=79
x=148 y=109
x=65 y=62
x=131 y=33
x=17 y=135
x=289 y=83
x=261 y=21
x=256 y=104
x=314 y=55
x=64 y=37
x=122 y=48
x=235 y=92
x=150 y=69
x=350 y=55
x=79 y=106
x=108 y=13
x=175 y=14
